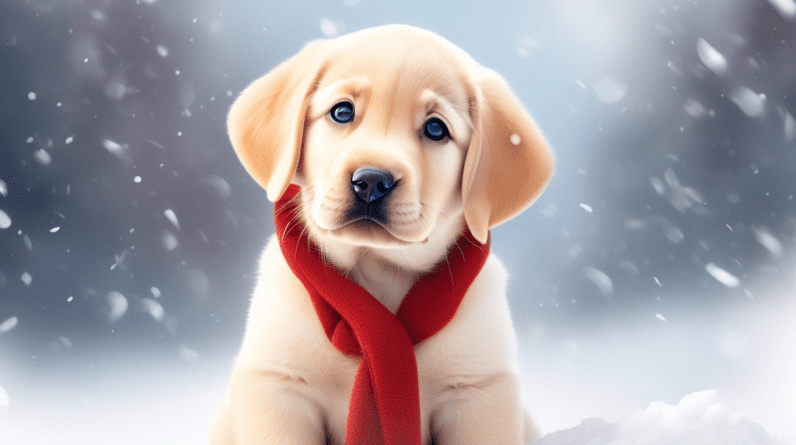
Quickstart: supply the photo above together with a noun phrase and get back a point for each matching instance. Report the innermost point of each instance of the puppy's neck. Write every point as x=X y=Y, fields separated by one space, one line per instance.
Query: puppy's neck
x=387 y=283
x=389 y=273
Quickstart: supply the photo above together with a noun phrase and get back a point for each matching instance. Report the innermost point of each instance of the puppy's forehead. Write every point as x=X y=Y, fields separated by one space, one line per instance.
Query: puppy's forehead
x=398 y=63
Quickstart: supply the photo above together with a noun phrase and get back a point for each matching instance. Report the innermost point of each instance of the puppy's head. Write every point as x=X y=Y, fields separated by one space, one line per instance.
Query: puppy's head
x=394 y=134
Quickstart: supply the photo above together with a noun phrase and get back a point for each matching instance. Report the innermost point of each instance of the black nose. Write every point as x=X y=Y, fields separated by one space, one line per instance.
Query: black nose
x=371 y=184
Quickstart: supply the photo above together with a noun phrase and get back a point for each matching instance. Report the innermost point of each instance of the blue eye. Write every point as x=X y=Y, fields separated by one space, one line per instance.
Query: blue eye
x=435 y=129
x=342 y=113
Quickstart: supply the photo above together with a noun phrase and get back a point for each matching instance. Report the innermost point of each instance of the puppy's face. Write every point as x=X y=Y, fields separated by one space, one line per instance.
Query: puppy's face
x=392 y=133
x=384 y=146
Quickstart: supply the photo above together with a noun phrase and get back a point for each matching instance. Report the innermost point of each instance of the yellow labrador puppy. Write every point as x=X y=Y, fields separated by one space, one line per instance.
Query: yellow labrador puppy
x=399 y=142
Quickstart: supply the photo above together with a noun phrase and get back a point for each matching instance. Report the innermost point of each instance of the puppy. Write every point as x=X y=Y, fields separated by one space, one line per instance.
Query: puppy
x=401 y=145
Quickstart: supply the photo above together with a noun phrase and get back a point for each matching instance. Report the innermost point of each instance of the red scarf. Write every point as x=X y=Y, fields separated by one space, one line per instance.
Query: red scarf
x=385 y=400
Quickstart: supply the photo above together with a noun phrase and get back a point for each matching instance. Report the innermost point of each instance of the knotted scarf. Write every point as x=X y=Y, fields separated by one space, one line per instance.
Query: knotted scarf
x=385 y=400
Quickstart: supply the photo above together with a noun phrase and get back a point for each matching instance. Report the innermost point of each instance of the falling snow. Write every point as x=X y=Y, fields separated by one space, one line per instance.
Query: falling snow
x=714 y=60
x=610 y=90
x=172 y=218
x=767 y=239
x=153 y=308
x=26 y=278
x=600 y=279
x=786 y=8
x=169 y=241
x=751 y=103
x=8 y=325
x=722 y=276
x=188 y=355
x=5 y=220
x=116 y=306
x=42 y=157
x=113 y=147
x=789 y=127
x=586 y=207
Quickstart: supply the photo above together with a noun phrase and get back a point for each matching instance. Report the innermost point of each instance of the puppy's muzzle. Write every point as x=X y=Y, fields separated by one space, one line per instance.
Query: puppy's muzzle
x=370 y=184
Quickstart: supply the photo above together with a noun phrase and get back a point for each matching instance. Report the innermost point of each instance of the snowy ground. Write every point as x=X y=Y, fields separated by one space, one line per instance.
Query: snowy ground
x=686 y=380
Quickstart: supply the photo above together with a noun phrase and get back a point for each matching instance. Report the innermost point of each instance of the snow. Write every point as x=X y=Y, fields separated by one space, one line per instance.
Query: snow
x=610 y=90
x=681 y=197
x=169 y=241
x=55 y=229
x=694 y=108
x=8 y=325
x=26 y=278
x=698 y=419
x=162 y=51
x=751 y=103
x=4 y=399
x=722 y=276
x=712 y=58
x=172 y=218
x=42 y=157
x=5 y=221
x=32 y=95
x=155 y=292
x=220 y=185
x=137 y=179
x=113 y=147
x=329 y=28
x=789 y=127
x=600 y=279
x=764 y=236
x=660 y=317
x=515 y=139
x=586 y=207
x=3 y=188
x=116 y=306
x=69 y=140
x=153 y=308
x=786 y=8
x=188 y=355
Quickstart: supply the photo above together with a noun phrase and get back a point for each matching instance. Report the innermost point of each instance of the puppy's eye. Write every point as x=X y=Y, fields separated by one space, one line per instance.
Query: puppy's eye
x=435 y=129
x=342 y=113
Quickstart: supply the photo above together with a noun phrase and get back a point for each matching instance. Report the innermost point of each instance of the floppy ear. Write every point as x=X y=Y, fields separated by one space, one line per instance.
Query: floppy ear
x=266 y=122
x=508 y=163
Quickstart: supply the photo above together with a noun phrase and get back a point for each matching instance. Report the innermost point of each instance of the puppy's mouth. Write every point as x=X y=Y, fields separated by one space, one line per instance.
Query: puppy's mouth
x=377 y=224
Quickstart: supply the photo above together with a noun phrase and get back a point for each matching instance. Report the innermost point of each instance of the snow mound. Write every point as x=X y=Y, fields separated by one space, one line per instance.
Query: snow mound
x=699 y=419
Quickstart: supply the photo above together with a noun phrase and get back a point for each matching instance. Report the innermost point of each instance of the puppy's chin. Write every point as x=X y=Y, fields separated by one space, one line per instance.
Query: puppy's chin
x=365 y=233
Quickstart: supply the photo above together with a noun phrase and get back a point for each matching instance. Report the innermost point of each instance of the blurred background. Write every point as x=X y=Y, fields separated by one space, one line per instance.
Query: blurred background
x=658 y=263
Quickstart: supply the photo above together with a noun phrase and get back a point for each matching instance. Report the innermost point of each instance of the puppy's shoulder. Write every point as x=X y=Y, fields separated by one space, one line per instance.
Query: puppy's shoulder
x=480 y=338
x=281 y=316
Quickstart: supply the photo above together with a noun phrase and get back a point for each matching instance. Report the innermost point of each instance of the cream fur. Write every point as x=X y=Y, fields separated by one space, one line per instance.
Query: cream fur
x=289 y=384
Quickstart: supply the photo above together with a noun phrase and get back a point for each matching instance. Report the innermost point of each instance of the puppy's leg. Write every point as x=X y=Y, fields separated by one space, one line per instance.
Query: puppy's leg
x=269 y=408
x=486 y=412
